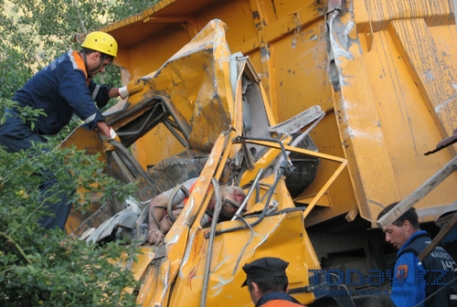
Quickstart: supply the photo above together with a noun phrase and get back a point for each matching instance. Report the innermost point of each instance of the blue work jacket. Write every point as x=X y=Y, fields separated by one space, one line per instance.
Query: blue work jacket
x=61 y=89
x=408 y=284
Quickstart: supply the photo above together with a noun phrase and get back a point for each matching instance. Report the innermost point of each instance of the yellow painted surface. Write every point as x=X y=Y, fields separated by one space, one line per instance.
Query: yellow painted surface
x=397 y=95
x=412 y=81
x=195 y=85
x=282 y=235
x=90 y=141
x=295 y=64
x=224 y=287
x=383 y=71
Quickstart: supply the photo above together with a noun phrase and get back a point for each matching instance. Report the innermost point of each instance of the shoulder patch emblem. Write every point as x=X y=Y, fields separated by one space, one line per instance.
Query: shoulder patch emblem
x=402 y=271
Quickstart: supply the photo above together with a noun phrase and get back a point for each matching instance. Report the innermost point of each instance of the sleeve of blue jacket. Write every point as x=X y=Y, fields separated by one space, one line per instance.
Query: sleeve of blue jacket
x=100 y=93
x=408 y=284
x=74 y=89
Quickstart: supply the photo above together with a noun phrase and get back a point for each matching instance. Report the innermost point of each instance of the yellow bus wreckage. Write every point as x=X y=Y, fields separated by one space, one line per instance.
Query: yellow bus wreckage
x=322 y=115
x=208 y=117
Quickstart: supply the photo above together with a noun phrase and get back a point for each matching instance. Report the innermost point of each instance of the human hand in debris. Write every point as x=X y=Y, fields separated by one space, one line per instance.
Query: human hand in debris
x=157 y=209
x=159 y=220
x=166 y=223
x=155 y=236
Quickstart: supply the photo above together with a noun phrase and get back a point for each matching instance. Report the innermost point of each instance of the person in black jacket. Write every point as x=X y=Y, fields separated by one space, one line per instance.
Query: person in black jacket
x=61 y=89
x=431 y=282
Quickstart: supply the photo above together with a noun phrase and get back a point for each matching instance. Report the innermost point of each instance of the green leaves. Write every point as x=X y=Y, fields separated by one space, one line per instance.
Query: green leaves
x=40 y=267
x=46 y=267
x=33 y=33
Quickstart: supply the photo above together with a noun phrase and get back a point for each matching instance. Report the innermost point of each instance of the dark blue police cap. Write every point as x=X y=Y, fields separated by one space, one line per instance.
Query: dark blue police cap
x=265 y=267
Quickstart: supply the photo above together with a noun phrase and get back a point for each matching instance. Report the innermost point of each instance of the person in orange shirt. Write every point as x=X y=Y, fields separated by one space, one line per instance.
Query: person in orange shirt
x=268 y=283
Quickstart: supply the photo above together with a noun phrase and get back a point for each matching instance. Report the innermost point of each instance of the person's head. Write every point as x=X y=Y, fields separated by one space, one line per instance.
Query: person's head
x=98 y=50
x=402 y=228
x=232 y=197
x=265 y=275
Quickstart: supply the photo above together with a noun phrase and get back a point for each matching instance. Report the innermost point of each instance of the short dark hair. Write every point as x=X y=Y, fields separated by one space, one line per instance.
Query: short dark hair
x=410 y=215
x=270 y=284
x=89 y=51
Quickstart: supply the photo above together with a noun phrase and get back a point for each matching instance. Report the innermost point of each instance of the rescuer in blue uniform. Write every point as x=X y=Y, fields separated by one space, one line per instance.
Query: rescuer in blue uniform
x=431 y=282
x=61 y=89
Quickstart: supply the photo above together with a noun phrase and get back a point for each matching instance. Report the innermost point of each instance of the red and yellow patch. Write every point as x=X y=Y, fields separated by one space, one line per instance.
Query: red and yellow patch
x=402 y=271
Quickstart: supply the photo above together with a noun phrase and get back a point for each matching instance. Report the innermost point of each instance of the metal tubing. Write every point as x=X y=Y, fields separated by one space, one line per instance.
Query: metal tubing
x=240 y=209
x=212 y=234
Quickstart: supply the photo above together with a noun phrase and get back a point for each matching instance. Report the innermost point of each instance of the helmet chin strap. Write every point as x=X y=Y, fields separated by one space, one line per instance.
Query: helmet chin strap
x=90 y=72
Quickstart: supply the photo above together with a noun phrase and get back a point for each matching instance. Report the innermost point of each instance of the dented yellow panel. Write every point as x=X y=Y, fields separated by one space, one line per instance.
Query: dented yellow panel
x=382 y=70
x=287 y=50
x=404 y=89
x=226 y=275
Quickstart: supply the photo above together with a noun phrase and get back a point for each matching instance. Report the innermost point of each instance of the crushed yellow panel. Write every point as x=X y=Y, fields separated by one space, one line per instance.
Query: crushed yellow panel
x=435 y=83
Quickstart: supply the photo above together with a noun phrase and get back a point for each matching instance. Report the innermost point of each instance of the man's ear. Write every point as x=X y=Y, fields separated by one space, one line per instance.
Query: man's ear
x=257 y=289
x=407 y=224
x=94 y=56
x=255 y=292
x=99 y=55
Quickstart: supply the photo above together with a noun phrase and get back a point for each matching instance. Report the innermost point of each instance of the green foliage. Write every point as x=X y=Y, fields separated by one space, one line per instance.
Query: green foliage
x=27 y=113
x=48 y=268
x=40 y=267
x=11 y=79
x=33 y=33
x=125 y=8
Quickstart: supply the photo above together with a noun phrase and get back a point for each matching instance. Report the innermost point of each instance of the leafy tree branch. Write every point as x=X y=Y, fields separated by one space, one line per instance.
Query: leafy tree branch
x=10 y=240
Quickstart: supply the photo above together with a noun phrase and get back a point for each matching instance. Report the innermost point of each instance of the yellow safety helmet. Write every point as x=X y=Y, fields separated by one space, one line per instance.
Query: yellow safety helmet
x=101 y=42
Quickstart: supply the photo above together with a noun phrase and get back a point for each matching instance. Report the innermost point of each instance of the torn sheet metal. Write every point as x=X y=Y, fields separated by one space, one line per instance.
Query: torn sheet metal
x=270 y=214
x=194 y=86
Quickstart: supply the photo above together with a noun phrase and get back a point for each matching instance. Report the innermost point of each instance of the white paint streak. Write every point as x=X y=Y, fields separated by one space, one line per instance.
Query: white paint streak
x=217 y=288
x=187 y=254
x=349 y=27
x=189 y=205
x=271 y=231
x=445 y=104
x=339 y=49
x=173 y=240
x=374 y=134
